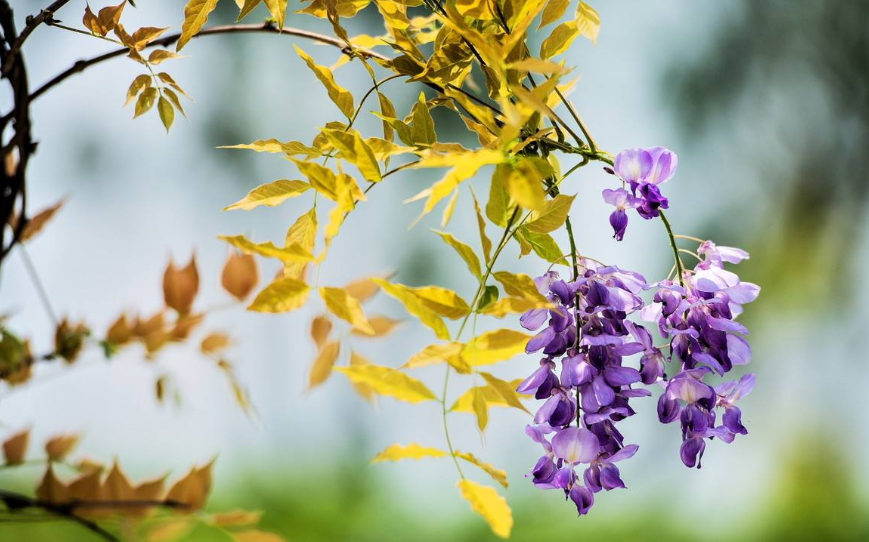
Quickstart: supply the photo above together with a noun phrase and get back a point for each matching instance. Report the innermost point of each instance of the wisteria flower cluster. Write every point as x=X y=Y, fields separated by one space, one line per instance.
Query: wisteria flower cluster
x=588 y=335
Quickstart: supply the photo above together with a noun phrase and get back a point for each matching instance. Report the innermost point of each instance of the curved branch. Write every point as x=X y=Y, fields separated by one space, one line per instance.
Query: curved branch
x=44 y=16
x=268 y=28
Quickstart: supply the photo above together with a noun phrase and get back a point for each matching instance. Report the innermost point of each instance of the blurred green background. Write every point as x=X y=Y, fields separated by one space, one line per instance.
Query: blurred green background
x=767 y=105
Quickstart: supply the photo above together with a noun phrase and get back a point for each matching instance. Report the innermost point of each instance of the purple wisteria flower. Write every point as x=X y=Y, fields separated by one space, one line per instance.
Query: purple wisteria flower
x=587 y=331
x=644 y=170
x=698 y=317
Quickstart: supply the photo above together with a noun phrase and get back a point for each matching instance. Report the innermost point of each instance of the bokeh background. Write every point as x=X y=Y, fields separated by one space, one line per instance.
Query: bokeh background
x=767 y=105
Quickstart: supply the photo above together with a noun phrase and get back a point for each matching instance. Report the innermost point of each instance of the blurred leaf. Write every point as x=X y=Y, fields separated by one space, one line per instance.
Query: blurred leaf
x=322 y=367
x=51 y=489
x=554 y=10
x=397 y=452
x=214 y=343
x=321 y=326
x=490 y=396
x=193 y=489
x=15 y=447
x=440 y=353
x=38 y=222
x=588 y=21
x=240 y=275
x=60 y=446
x=237 y=518
x=363 y=289
x=415 y=306
x=180 y=286
x=382 y=326
x=497 y=474
x=257 y=535
x=485 y=501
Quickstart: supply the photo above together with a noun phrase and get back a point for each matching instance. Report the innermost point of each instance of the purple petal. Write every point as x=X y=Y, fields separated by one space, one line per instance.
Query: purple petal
x=691 y=451
x=633 y=165
x=576 y=445
x=625 y=453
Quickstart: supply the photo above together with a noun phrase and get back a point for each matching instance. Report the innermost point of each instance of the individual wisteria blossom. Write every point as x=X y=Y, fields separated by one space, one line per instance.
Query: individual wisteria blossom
x=643 y=170
x=585 y=338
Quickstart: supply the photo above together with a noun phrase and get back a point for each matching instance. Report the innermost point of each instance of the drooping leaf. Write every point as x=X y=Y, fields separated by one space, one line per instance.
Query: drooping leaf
x=490 y=396
x=270 y=194
x=290 y=148
x=481 y=226
x=139 y=84
x=397 y=452
x=389 y=382
x=485 y=501
x=215 y=343
x=382 y=326
x=180 y=286
x=292 y=253
x=193 y=489
x=240 y=275
x=554 y=10
x=519 y=285
x=196 y=14
x=497 y=474
x=588 y=21
x=321 y=327
x=167 y=113
x=440 y=353
x=57 y=448
x=322 y=367
x=346 y=307
x=464 y=166
x=283 y=295
x=505 y=389
x=159 y=55
x=559 y=40
x=415 y=306
x=355 y=150
x=39 y=221
x=338 y=94
x=145 y=102
x=464 y=251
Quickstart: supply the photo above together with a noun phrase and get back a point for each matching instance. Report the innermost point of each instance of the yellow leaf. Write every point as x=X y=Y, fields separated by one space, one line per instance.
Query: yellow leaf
x=167 y=113
x=382 y=326
x=536 y=65
x=588 y=21
x=291 y=148
x=389 y=382
x=398 y=452
x=172 y=530
x=505 y=389
x=302 y=233
x=552 y=216
x=524 y=184
x=195 y=16
x=554 y=10
x=559 y=40
x=214 y=343
x=159 y=55
x=270 y=194
x=494 y=347
x=485 y=501
x=282 y=295
x=256 y=535
x=449 y=209
x=322 y=367
x=237 y=518
x=481 y=226
x=321 y=326
x=363 y=289
x=87 y=487
x=145 y=35
x=346 y=307
x=278 y=10
x=291 y=253
x=440 y=353
x=415 y=306
x=519 y=285
x=15 y=447
x=139 y=84
x=464 y=251
x=443 y=301
x=59 y=447
x=322 y=179
x=240 y=275
x=491 y=396
x=364 y=390
x=180 y=286
x=497 y=474
x=340 y=95
x=355 y=150
x=464 y=166
x=422 y=128
x=245 y=7
x=193 y=489
x=145 y=102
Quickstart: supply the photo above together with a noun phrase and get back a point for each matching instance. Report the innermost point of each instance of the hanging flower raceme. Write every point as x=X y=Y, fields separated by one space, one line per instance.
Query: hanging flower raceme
x=588 y=334
x=705 y=339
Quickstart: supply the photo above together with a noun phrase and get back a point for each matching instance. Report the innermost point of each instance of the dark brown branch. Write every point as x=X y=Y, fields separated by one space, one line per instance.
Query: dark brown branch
x=268 y=28
x=33 y=21
x=17 y=501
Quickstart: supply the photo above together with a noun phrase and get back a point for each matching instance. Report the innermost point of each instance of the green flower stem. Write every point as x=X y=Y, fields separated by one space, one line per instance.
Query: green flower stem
x=680 y=269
